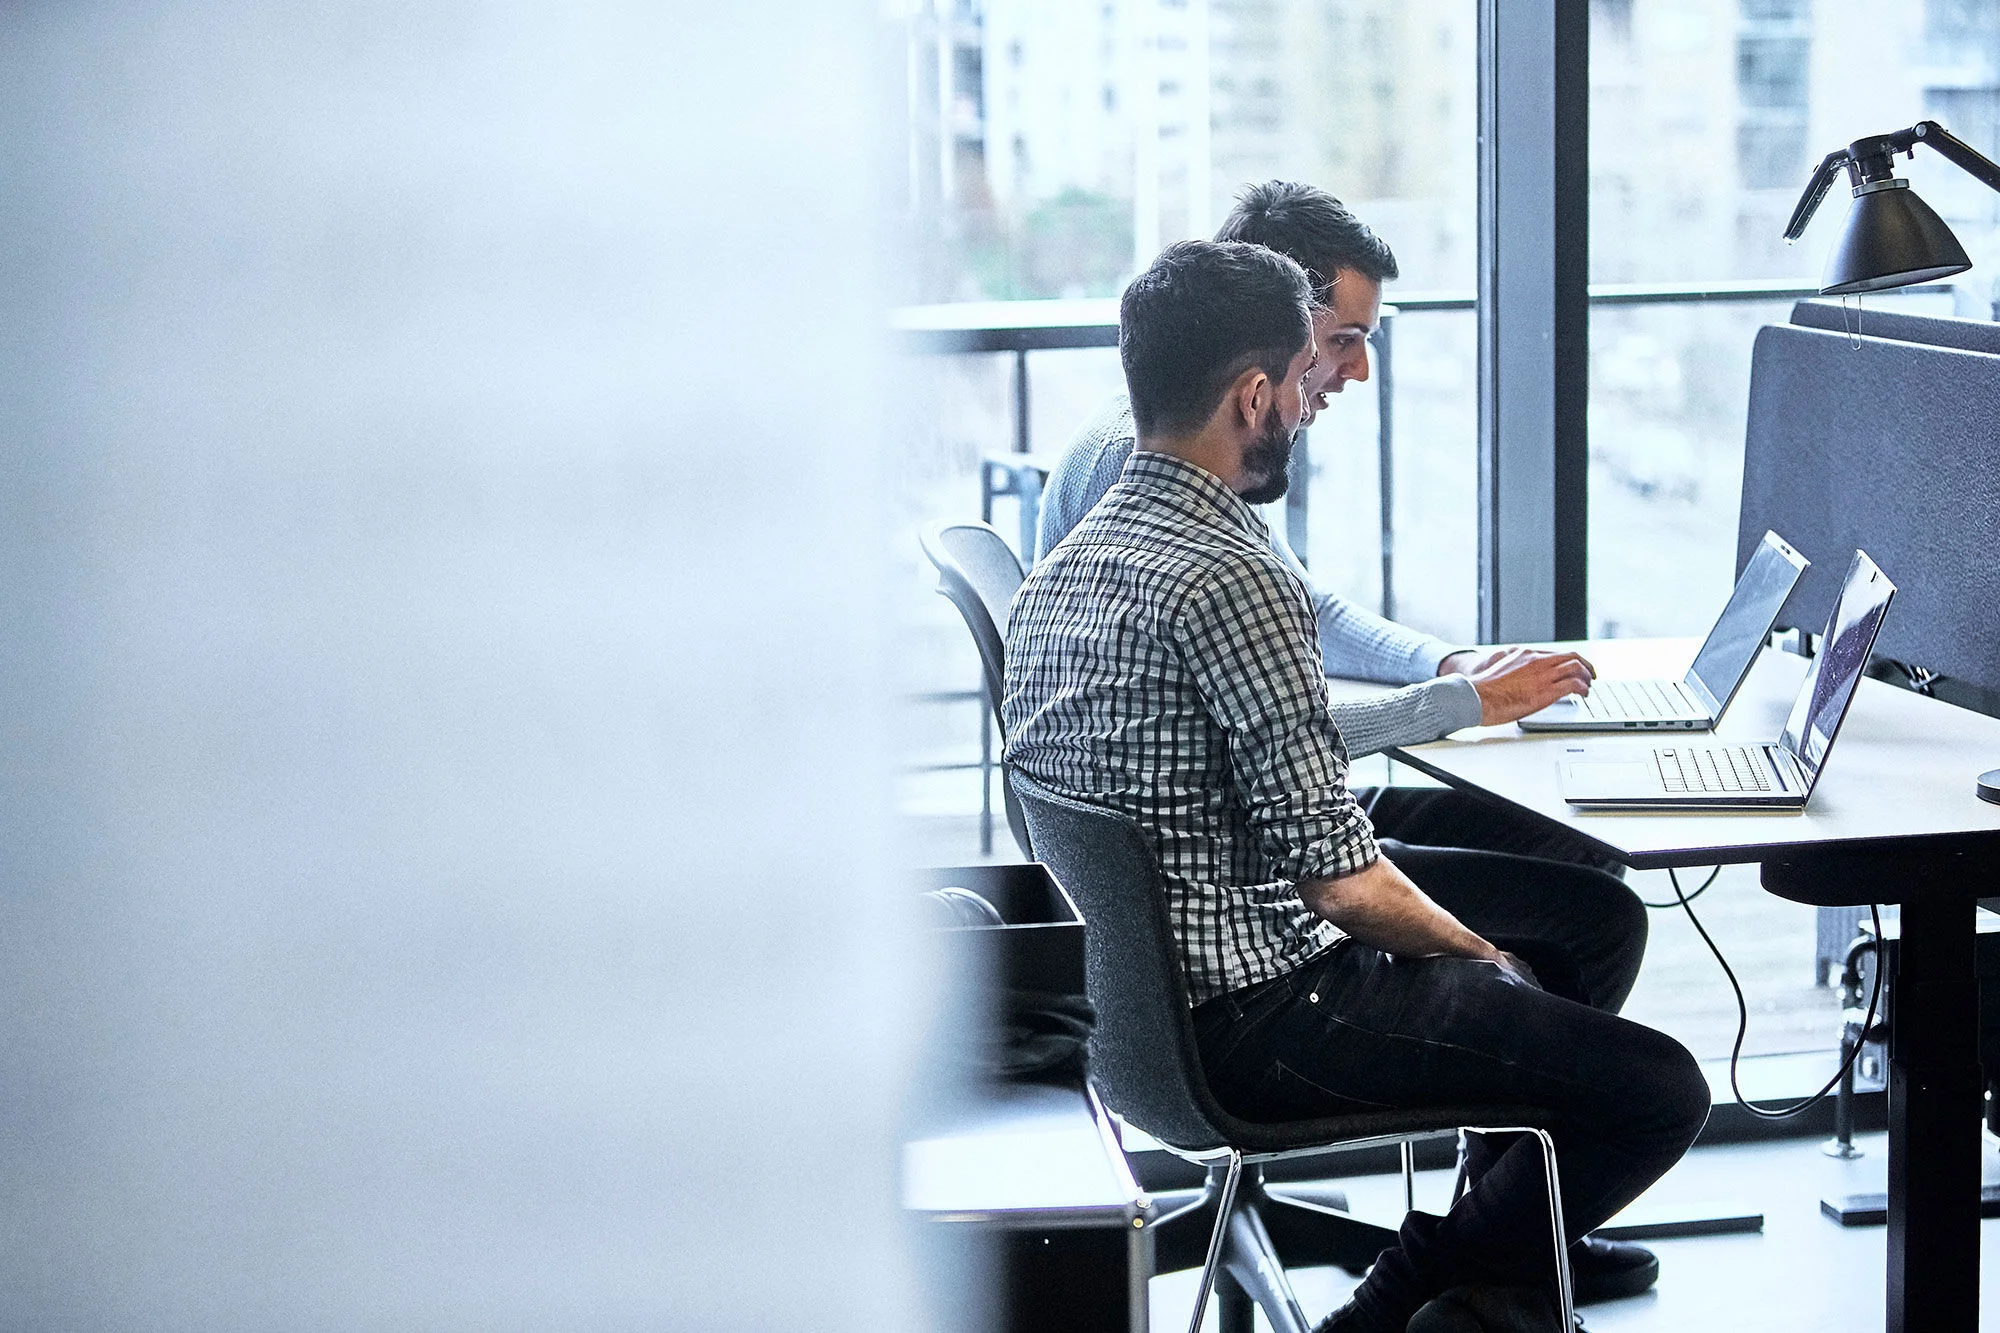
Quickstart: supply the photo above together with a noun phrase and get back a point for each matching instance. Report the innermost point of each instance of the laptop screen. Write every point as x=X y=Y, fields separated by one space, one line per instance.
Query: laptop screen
x=1724 y=660
x=1830 y=681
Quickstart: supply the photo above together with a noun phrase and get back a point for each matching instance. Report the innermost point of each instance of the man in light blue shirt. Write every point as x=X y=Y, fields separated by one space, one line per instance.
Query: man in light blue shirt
x=1445 y=687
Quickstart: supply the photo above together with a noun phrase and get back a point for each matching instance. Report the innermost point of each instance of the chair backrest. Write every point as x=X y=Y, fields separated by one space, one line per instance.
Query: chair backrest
x=1142 y=1055
x=979 y=572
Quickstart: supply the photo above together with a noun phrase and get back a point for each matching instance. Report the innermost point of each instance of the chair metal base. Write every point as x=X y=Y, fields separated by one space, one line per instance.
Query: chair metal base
x=1224 y=1231
x=1311 y=1227
x=1244 y=1236
x=1268 y=1231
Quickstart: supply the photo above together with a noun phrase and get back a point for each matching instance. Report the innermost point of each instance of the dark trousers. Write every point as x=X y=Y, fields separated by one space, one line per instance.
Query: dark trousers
x=1445 y=817
x=1356 y=1029
x=1583 y=932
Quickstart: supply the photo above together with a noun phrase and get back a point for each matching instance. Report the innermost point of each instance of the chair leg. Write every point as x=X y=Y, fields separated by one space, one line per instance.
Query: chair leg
x=1225 y=1204
x=986 y=776
x=1309 y=1234
x=1235 y=1311
x=1252 y=1262
x=1565 y=1294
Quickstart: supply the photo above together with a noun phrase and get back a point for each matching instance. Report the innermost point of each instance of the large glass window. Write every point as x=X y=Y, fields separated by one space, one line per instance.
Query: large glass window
x=1707 y=117
x=1054 y=147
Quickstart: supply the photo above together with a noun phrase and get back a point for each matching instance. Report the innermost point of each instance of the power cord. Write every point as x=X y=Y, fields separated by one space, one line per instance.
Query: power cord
x=1743 y=1010
x=1661 y=907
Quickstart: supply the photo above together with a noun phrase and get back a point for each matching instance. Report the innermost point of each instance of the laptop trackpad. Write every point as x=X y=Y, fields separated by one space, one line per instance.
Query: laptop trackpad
x=1585 y=779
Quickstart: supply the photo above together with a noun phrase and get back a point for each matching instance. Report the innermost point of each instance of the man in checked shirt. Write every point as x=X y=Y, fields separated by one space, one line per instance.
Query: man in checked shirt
x=1162 y=660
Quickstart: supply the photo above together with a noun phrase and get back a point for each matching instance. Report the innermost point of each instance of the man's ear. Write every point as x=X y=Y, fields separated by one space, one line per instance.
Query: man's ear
x=1249 y=398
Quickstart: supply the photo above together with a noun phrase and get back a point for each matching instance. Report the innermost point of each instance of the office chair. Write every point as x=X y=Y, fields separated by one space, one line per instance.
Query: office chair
x=1022 y=476
x=978 y=571
x=1145 y=1065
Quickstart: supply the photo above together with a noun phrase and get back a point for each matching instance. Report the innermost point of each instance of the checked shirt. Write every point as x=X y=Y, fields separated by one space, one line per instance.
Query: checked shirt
x=1163 y=661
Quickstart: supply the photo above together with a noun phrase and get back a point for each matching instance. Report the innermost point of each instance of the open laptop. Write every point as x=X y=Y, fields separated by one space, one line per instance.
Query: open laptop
x=1775 y=775
x=1697 y=700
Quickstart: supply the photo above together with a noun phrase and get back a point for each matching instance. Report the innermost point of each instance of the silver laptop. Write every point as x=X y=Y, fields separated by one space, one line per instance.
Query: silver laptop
x=1697 y=700
x=1775 y=775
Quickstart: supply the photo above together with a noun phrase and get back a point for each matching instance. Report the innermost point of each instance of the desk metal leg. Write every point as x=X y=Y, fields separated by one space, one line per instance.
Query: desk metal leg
x=1934 y=1118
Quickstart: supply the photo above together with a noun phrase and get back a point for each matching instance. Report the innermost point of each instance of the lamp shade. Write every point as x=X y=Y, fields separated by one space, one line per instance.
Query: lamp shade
x=1892 y=239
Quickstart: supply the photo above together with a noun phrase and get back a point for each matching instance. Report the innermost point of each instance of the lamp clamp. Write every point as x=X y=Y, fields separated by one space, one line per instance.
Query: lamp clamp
x=1870 y=165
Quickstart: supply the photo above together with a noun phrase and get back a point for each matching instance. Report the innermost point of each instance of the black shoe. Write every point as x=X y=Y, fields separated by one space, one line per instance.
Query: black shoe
x=1347 y=1319
x=1604 y=1270
x=1475 y=1309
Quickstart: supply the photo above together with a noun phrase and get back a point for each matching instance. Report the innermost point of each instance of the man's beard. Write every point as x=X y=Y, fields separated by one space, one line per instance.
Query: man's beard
x=1269 y=456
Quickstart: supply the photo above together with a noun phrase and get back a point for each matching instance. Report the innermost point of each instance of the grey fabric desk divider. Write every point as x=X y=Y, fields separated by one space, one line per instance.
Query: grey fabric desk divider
x=1968 y=335
x=1893 y=447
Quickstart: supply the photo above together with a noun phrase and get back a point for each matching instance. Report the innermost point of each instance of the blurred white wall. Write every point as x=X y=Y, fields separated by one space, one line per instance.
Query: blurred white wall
x=441 y=812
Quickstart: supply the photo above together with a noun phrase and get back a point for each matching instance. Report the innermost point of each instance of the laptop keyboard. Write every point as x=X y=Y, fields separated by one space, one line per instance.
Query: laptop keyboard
x=1713 y=768
x=1612 y=699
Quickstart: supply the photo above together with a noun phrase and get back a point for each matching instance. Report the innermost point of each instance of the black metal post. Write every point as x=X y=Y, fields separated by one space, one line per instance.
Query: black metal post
x=1534 y=318
x=1021 y=426
x=985 y=775
x=1934 y=1116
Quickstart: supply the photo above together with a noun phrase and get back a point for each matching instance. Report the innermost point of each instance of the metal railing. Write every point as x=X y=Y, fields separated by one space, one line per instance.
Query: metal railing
x=1021 y=327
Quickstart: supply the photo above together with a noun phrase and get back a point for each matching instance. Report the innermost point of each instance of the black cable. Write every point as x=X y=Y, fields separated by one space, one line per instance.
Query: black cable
x=1691 y=897
x=1743 y=1013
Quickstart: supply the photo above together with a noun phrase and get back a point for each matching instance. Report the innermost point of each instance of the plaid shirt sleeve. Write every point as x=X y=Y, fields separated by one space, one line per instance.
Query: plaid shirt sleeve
x=1247 y=638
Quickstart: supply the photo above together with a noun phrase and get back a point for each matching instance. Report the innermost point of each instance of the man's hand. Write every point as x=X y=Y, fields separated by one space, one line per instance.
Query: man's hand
x=1515 y=970
x=1379 y=906
x=1514 y=682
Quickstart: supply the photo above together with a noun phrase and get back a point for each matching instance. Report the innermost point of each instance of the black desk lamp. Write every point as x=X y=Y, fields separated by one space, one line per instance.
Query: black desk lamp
x=1892 y=238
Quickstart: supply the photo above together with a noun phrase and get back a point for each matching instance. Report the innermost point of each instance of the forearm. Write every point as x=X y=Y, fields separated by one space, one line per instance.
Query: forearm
x=1379 y=906
x=1409 y=716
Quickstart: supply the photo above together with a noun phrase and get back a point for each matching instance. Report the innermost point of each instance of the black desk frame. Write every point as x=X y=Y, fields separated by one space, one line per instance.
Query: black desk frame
x=1935 y=1082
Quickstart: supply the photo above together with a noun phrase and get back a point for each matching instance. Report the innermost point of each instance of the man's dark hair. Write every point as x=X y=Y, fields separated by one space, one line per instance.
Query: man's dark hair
x=1205 y=312
x=1312 y=227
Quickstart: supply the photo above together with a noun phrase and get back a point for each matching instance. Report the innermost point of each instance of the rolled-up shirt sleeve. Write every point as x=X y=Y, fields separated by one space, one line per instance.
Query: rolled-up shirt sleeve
x=1247 y=637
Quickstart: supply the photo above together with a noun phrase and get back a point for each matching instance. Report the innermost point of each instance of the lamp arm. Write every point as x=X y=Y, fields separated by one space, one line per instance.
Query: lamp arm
x=1816 y=188
x=1956 y=150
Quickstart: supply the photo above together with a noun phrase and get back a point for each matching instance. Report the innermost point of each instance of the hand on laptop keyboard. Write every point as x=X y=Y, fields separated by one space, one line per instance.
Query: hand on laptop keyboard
x=1514 y=682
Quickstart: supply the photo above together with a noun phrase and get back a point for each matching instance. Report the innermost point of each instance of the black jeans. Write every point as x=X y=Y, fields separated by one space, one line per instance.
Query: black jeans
x=1445 y=817
x=1355 y=1029
x=1582 y=931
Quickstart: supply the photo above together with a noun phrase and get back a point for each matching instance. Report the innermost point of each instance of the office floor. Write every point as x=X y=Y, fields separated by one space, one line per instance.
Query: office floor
x=1803 y=1274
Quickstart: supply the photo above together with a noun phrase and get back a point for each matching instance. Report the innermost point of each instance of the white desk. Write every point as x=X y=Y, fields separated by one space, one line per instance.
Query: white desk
x=1034 y=1171
x=1894 y=819
x=1903 y=767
